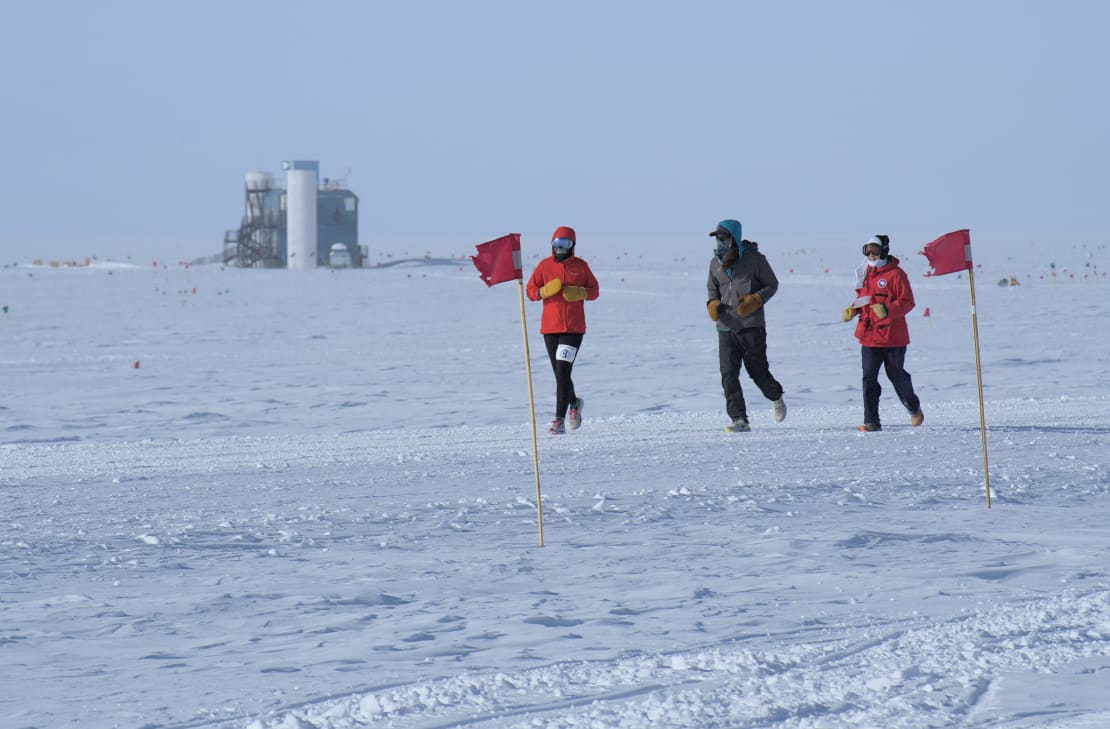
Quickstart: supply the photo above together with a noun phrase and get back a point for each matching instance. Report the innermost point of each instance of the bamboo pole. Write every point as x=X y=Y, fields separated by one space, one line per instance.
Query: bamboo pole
x=979 y=379
x=531 y=410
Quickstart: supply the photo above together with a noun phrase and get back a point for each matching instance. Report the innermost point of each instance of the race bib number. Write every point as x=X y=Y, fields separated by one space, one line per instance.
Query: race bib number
x=565 y=353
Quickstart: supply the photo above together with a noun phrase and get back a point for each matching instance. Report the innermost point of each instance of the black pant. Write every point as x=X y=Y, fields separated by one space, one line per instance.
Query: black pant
x=564 y=386
x=894 y=359
x=747 y=346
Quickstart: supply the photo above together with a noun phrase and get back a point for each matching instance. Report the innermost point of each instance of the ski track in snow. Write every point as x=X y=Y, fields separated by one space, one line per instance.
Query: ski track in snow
x=174 y=553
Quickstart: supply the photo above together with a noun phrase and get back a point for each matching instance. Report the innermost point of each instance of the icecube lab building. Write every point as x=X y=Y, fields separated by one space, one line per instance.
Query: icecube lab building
x=294 y=223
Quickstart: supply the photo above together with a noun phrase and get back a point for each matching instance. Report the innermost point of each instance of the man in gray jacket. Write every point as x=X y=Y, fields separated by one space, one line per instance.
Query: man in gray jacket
x=740 y=283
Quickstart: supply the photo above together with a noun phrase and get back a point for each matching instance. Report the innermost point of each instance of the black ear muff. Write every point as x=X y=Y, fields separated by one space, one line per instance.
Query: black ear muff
x=885 y=246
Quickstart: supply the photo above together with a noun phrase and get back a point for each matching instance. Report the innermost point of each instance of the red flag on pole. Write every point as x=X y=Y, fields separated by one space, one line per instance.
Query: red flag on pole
x=499 y=260
x=949 y=253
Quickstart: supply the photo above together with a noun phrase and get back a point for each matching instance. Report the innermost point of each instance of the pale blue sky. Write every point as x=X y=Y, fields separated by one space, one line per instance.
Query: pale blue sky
x=139 y=119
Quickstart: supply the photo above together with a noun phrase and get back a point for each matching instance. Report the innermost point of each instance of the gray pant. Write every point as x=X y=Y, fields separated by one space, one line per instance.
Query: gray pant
x=747 y=347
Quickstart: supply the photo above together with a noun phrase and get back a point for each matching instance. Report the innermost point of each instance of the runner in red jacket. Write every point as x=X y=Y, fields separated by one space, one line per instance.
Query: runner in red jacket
x=883 y=298
x=563 y=282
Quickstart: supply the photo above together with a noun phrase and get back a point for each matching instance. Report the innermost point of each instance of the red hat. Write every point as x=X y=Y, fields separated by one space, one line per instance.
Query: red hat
x=564 y=232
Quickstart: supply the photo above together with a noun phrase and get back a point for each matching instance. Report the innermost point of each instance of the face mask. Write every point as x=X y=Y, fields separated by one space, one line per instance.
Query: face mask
x=722 y=247
x=876 y=262
x=561 y=254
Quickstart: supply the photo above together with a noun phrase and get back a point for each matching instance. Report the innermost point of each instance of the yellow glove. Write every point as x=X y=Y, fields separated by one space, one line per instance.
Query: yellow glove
x=880 y=310
x=849 y=313
x=714 y=307
x=574 y=293
x=749 y=304
x=551 y=288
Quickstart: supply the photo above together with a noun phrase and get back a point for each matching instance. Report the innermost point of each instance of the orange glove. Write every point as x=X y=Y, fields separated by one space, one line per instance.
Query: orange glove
x=849 y=314
x=713 y=307
x=551 y=288
x=574 y=293
x=880 y=310
x=749 y=304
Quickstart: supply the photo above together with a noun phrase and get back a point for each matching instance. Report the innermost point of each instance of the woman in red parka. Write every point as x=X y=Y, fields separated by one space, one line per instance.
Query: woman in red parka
x=883 y=298
x=563 y=282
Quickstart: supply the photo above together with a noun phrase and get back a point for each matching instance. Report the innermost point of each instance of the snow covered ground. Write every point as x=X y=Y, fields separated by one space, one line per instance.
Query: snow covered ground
x=274 y=500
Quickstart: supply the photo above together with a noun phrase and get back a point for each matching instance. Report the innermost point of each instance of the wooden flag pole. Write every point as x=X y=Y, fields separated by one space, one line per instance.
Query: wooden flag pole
x=979 y=379
x=532 y=411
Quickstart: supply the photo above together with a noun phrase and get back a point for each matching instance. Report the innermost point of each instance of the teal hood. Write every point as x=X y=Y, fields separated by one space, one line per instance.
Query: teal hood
x=733 y=227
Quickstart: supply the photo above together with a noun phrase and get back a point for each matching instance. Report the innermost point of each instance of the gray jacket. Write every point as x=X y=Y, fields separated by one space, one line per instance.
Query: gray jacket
x=748 y=274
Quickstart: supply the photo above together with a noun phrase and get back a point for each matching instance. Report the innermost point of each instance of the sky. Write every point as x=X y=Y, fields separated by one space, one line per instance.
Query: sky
x=263 y=499
x=129 y=123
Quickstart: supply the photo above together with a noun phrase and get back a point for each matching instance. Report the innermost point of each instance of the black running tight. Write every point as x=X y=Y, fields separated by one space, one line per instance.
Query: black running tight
x=562 y=350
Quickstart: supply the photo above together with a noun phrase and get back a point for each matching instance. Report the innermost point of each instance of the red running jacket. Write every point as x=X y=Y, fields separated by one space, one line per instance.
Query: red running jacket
x=559 y=315
x=889 y=286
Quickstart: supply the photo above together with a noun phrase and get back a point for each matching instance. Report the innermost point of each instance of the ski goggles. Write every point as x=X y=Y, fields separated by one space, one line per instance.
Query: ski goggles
x=562 y=243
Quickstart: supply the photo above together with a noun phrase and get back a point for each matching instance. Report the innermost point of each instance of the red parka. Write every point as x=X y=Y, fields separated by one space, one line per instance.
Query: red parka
x=887 y=285
x=559 y=315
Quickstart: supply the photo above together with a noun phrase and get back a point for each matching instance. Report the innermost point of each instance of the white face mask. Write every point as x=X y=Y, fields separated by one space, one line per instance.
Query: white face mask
x=876 y=262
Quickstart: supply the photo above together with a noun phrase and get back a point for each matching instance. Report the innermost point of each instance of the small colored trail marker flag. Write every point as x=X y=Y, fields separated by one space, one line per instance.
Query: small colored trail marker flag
x=499 y=260
x=949 y=253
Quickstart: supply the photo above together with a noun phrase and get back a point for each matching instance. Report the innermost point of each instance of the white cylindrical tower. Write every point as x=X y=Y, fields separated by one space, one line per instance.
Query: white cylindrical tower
x=257 y=183
x=259 y=180
x=300 y=213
